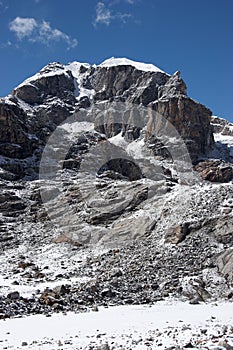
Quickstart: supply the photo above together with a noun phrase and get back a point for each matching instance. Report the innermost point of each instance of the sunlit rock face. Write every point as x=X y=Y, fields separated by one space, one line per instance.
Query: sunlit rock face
x=42 y=102
x=117 y=159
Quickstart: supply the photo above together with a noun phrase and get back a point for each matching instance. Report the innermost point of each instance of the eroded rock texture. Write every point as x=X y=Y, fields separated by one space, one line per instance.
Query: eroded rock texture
x=42 y=102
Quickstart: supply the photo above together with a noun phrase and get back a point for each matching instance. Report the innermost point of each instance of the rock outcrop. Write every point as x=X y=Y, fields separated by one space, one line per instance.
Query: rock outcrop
x=215 y=170
x=191 y=120
x=225 y=264
x=46 y=85
x=37 y=106
x=15 y=139
x=222 y=126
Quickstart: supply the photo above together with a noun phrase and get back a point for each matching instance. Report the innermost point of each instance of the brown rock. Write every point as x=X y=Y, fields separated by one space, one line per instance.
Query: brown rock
x=190 y=119
x=215 y=171
x=65 y=238
x=176 y=234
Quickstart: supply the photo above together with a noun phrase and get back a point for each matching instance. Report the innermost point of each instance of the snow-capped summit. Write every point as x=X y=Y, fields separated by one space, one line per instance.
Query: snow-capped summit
x=56 y=68
x=76 y=68
x=58 y=91
x=146 y=67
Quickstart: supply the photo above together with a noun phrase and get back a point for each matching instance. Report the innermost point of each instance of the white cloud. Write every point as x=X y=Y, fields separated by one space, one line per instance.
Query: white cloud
x=105 y=16
x=35 y=31
x=23 y=27
x=46 y=34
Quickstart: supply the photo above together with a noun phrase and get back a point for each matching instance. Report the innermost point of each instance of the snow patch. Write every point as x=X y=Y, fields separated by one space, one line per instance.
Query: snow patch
x=80 y=91
x=118 y=140
x=27 y=290
x=127 y=326
x=78 y=127
x=146 y=67
x=75 y=68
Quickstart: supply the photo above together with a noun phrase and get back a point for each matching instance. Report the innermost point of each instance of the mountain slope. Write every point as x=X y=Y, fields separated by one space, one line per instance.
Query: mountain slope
x=115 y=186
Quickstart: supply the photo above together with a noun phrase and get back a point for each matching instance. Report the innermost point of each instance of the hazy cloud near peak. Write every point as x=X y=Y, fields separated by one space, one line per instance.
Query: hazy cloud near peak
x=39 y=31
x=105 y=16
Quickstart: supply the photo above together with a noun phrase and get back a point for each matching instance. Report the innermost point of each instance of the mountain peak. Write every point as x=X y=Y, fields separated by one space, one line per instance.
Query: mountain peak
x=111 y=62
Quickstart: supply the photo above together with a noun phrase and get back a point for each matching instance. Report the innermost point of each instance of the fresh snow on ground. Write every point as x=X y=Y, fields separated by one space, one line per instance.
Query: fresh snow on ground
x=129 y=326
x=26 y=290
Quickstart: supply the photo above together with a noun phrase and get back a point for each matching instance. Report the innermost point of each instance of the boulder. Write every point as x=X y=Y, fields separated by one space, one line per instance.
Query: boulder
x=176 y=234
x=225 y=264
x=128 y=169
x=13 y=295
x=223 y=230
x=215 y=170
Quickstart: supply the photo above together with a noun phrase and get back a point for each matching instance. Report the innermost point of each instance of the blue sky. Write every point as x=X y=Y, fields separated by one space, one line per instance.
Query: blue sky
x=193 y=36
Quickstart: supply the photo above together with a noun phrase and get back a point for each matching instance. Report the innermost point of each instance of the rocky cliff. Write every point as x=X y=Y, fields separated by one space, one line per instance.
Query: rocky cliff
x=114 y=184
x=34 y=109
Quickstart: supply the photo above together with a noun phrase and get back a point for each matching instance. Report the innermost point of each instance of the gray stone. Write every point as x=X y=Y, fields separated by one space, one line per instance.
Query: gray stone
x=225 y=264
x=13 y=295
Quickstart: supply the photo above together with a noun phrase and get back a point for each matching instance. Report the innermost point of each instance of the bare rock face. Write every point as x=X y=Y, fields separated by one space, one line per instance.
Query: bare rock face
x=14 y=139
x=175 y=86
x=46 y=85
x=222 y=126
x=215 y=171
x=121 y=168
x=191 y=120
x=37 y=106
x=225 y=264
x=122 y=82
x=109 y=181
